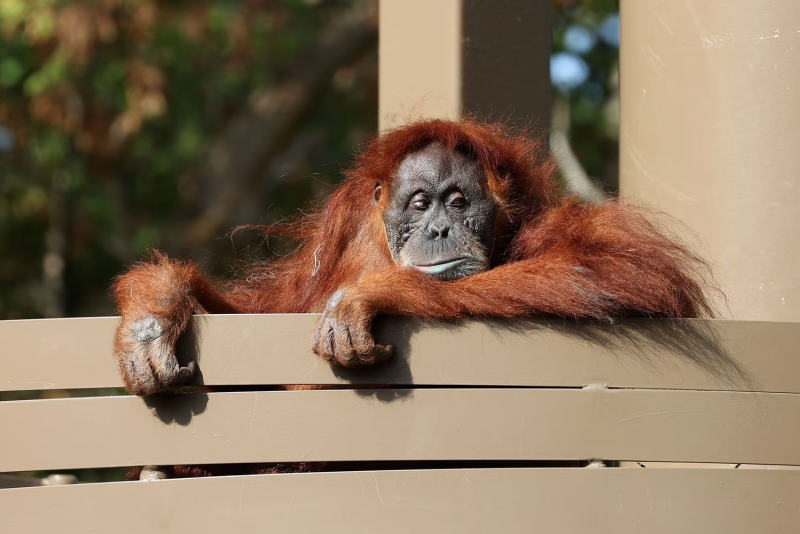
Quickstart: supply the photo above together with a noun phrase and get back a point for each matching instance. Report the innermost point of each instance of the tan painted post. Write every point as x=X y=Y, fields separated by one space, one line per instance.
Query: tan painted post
x=710 y=132
x=445 y=58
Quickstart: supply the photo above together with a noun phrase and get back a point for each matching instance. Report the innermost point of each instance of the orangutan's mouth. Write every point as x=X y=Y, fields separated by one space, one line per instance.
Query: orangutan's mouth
x=439 y=266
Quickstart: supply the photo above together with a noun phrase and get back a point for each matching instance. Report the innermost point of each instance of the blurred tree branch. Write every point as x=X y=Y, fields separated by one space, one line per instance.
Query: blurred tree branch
x=226 y=183
x=54 y=261
x=576 y=180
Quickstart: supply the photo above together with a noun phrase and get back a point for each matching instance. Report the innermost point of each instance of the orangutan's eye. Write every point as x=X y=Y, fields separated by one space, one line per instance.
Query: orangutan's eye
x=419 y=202
x=456 y=200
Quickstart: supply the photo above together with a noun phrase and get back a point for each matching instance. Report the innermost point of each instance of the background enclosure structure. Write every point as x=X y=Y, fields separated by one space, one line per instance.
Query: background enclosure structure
x=709 y=126
x=487 y=397
x=719 y=397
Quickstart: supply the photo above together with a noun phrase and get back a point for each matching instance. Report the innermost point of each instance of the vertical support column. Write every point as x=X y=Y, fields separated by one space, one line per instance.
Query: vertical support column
x=710 y=132
x=448 y=58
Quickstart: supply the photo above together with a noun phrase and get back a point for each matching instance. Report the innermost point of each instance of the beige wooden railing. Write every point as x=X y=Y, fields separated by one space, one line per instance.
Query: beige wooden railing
x=640 y=392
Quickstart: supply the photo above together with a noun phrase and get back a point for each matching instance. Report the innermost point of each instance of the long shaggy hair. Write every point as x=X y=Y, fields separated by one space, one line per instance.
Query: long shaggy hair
x=634 y=265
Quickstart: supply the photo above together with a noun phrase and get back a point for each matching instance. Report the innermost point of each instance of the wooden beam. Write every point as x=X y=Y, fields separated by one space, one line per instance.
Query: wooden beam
x=450 y=58
x=462 y=501
x=389 y=424
x=275 y=349
x=710 y=129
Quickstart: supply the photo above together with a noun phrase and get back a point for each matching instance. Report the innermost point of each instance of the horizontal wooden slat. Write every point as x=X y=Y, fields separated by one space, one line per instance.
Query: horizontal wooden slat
x=423 y=424
x=674 y=465
x=622 y=501
x=274 y=349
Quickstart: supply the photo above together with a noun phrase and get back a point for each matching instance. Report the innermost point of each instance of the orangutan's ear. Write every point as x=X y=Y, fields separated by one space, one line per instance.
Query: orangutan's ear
x=376 y=194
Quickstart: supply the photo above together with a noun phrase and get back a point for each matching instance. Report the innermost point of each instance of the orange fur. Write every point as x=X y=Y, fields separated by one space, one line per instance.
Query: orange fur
x=552 y=256
x=625 y=263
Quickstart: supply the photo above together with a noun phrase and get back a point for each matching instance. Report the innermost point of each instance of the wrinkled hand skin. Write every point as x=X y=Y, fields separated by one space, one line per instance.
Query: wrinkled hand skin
x=343 y=334
x=145 y=352
x=156 y=305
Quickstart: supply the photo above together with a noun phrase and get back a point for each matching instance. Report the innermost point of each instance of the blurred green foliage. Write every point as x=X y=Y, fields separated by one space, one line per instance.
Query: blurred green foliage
x=109 y=104
x=593 y=106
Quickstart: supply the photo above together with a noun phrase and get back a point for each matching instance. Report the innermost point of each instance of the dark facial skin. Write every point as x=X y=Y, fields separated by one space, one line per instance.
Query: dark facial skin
x=440 y=218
